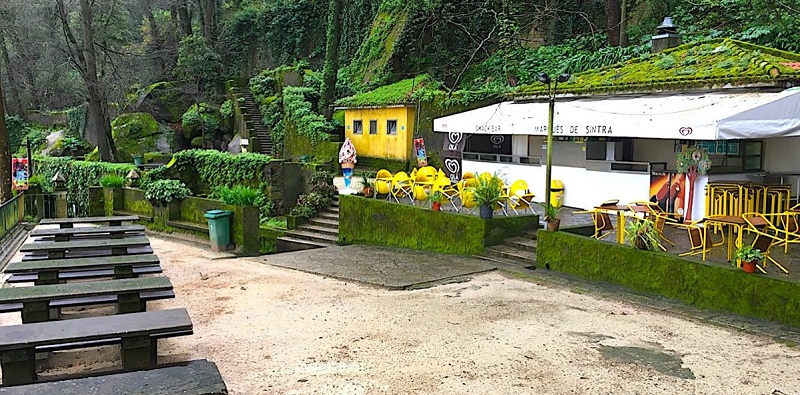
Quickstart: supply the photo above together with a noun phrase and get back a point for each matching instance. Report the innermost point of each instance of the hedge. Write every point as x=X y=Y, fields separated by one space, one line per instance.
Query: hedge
x=706 y=285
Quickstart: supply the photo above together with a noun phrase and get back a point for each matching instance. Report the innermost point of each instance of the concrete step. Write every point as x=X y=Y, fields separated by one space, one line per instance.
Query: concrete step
x=318 y=229
x=521 y=243
x=313 y=236
x=328 y=215
x=332 y=209
x=289 y=244
x=328 y=223
x=521 y=257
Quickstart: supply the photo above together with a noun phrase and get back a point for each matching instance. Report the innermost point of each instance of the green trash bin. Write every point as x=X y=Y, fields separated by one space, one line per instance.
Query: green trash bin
x=219 y=228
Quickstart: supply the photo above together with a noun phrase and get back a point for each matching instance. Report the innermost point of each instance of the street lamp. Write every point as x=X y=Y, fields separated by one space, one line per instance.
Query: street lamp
x=551 y=96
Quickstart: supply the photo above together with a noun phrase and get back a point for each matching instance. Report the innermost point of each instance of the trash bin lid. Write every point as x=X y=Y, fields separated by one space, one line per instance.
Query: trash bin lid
x=213 y=214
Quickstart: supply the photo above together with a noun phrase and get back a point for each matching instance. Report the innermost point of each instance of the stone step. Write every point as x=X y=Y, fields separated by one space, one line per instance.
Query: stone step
x=328 y=215
x=288 y=244
x=521 y=257
x=313 y=236
x=324 y=222
x=522 y=243
x=319 y=229
x=332 y=209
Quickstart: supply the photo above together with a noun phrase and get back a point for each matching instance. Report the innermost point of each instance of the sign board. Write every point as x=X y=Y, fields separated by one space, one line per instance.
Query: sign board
x=419 y=153
x=19 y=174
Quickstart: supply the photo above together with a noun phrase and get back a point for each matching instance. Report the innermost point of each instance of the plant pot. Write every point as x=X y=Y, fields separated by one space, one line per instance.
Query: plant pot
x=437 y=206
x=553 y=225
x=368 y=192
x=640 y=244
x=749 y=267
x=486 y=212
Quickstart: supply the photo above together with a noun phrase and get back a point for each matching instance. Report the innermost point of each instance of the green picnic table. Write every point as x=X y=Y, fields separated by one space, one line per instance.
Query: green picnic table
x=70 y=222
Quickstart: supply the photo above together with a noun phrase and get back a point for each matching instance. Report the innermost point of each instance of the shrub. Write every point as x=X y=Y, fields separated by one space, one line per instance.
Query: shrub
x=112 y=181
x=166 y=190
x=238 y=195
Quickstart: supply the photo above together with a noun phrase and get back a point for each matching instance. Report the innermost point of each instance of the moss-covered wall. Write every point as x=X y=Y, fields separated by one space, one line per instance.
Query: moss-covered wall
x=376 y=221
x=268 y=239
x=703 y=284
x=134 y=201
x=297 y=145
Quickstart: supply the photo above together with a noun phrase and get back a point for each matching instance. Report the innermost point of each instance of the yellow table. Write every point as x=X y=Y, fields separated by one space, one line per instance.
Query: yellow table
x=618 y=210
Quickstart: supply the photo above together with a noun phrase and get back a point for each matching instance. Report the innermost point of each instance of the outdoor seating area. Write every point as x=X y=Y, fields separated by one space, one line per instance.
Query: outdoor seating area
x=427 y=186
x=62 y=288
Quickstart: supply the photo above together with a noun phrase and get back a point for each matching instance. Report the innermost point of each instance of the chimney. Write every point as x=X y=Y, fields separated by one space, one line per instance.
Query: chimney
x=666 y=37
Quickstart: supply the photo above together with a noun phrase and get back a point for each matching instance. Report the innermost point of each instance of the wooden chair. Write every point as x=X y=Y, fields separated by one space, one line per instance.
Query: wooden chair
x=699 y=238
x=767 y=235
x=655 y=213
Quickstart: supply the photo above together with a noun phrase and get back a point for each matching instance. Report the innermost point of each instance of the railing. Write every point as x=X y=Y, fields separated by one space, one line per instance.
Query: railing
x=632 y=167
x=498 y=158
x=10 y=215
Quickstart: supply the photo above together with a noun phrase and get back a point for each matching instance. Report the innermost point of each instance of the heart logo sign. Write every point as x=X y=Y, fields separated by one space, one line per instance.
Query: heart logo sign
x=685 y=131
x=497 y=140
x=455 y=137
x=452 y=165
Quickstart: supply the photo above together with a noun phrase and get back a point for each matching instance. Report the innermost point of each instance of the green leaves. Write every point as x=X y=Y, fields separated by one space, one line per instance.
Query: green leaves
x=238 y=195
x=166 y=190
x=112 y=181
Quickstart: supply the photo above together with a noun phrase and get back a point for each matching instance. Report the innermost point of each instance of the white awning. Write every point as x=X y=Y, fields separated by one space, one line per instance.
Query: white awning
x=682 y=116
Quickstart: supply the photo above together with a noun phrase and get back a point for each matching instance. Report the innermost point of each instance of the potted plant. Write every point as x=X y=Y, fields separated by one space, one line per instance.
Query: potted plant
x=750 y=257
x=551 y=218
x=486 y=193
x=367 y=185
x=642 y=234
x=437 y=198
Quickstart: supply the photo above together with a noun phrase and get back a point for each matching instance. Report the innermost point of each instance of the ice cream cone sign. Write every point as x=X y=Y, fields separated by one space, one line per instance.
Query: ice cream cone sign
x=347 y=159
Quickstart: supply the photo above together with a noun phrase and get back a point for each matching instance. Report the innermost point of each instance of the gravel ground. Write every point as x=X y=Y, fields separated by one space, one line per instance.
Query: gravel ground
x=278 y=331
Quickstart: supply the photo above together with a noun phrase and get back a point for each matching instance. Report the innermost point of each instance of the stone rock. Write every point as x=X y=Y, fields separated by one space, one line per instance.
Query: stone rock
x=235 y=146
x=52 y=146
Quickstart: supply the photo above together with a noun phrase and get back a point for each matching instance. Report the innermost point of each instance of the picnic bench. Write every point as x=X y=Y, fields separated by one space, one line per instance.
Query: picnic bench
x=53 y=271
x=65 y=234
x=136 y=332
x=98 y=247
x=199 y=377
x=116 y=220
x=129 y=294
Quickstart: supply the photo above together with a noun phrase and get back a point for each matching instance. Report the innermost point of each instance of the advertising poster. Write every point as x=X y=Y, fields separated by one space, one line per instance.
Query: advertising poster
x=668 y=190
x=452 y=154
x=419 y=152
x=19 y=174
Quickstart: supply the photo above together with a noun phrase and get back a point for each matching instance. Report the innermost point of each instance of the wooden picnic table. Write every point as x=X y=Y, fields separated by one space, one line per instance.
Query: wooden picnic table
x=59 y=249
x=69 y=222
x=47 y=270
x=136 y=332
x=65 y=234
x=36 y=301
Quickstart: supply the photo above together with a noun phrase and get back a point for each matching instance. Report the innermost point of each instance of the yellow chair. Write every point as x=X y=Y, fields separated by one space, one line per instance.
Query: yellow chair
x=655 y=213
x=428 y=171
x=383 y=182
x=467 y=176
x=767 y=235
x=520 y=197
x=440 y=174
x=422 y=187
x=402 y=187
x=465 y=195
x=443 y=185
x=602 y=223
x=413 y=173
x=699 y=238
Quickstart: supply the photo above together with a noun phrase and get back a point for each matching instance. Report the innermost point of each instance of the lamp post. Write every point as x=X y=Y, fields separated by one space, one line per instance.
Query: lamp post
x=551 y=97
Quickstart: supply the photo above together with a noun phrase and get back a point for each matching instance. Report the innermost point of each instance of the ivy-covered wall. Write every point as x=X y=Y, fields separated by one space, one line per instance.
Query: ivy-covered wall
x=375 y=221
x=703 y=284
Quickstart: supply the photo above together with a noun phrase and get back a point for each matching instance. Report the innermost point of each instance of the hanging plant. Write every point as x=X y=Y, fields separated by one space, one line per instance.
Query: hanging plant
x=692 y=161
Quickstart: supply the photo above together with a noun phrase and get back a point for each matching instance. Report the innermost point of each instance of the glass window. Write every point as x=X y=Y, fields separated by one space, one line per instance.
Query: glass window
x=733 y=156
x=373 y=127
x=358 y=127
x=391 y=126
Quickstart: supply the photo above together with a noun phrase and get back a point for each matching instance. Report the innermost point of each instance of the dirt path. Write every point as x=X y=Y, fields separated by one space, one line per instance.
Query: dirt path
x=278 y=331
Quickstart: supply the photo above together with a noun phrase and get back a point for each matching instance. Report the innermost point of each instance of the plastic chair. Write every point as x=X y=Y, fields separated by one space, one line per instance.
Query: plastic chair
x=465 y=195
x=443 y=185
x=440 y=174
x=428 y=171
x=467 y=176
x=383 y=182
x=520 y=197
x=422 y=187
x=402 y=187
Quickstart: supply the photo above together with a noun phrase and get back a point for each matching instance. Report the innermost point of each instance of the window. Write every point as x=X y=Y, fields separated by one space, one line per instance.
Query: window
x=733 y=156
x=373 y=127
x=391 y=126
x=358 y=127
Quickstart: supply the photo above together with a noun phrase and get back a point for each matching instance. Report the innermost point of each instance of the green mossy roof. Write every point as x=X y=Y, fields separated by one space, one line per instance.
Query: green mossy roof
x=702 y=65
x=399 y=93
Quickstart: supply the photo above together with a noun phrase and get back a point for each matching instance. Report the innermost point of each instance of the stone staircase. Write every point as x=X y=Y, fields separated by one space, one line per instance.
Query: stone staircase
x=254 y=121
x=321 y=231
x=519 y=251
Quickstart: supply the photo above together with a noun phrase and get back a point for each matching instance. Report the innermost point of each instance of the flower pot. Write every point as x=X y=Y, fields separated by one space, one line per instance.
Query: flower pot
x=553 y=225
x=437 y=206
x=368 y=192
x=640 y=244
x=486 y=212
x=749 y=267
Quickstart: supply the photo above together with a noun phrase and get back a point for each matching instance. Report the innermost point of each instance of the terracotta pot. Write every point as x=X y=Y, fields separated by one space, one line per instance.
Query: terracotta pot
x=749 y=267
x=553 y=225
x=640 y=244
x=368 y=192
x=437 y=206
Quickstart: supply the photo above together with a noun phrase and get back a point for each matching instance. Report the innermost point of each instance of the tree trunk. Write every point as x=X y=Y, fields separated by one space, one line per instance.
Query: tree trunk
x=157 y=46
x=623 y=24
x=331 y=66
x=27 y=71
x=612 y=21
x=5 y=155
x=101 y=125
x=691 y=176
x=17 y=107
x=184 y=18
x=210 y=20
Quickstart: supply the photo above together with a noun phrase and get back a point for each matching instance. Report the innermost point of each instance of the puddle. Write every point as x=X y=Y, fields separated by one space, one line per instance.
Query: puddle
x=663 y=362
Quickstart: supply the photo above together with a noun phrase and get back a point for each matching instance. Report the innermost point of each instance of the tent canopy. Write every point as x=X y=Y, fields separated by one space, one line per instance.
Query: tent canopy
x=709 y=116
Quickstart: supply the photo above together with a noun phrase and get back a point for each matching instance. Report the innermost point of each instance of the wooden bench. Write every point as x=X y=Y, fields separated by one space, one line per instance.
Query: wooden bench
x=48 y=271
x=127 y=293
x=99 y=247
x=69 y=222
x=65 y=234
x=64 y=276
x=199 y=377
x=136 y=332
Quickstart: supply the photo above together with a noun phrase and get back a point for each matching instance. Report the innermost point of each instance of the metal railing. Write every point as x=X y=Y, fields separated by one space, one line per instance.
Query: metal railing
x=499 y=158
x=10 y=215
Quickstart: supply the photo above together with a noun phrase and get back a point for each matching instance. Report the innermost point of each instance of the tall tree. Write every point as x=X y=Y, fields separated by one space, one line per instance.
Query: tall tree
x=613 y=18
x=16 y=108
x=98 y=124
x=5 y=154
x=331 y=66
